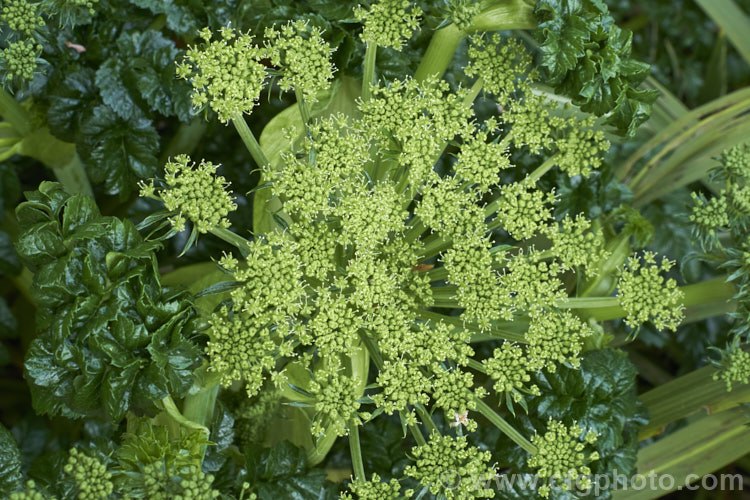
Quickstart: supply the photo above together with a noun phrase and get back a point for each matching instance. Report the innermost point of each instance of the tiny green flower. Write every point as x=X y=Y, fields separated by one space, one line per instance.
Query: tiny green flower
x=452 y=468
x=510 y=369
x=226 y=73
x=577 y=244
x=580 y=149
x=523 y=210
x=195 y=193
x=93 y=481
x=555 y=337
x=734 y=365
x=336 y=403
x=736 y=162
x=561 y=455
x=19 y=60
x=375 y=489
x=369 y=216
x=303 y=58
x=646 y=295
x=452 y=391
x=462 y=13
x=21 y=16
x=501 y=63
x=403 y=384
x=388 y=23
x=710 y=215
x=533 y=283
x=30 y=492
x=480 y=162
x=530 y=123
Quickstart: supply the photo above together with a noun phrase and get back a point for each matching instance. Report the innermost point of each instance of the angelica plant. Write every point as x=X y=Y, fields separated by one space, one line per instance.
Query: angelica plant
x=376 y=258
x=417 y=283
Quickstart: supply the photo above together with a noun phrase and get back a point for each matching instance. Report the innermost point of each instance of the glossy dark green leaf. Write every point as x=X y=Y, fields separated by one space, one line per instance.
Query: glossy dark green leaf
x=118 y=152
x=42 y=245
x=72 y=101
x=111 y=337
x=180 y=18
x=118 y=382
x=587 y=57
x=10 y=458
x=222 y=434
x=282 y=472
x=115 y=94
x=81 y=210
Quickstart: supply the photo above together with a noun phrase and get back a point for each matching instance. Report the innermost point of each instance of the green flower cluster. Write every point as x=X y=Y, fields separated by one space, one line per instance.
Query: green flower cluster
x=534 y=283
x=388 y=23
x=530 y=122
x=509 y=367
x=555 y=337
x=480 y=162
x=19 y=60
x=523 y=210
x=451 y=467
x=379 y=257
x=462 y=13
x=375 y=489
x=21 y=16
x=247 y=338
x=226 y=73
x=30 y=492
x=734 y=365
x=85 y=4
x=577 y=244
x=646 y=295
x=303 y=58
x=581 y=148
x=92 y=479
x=193 y=484
x=336 y=402
x=503 y=64
x=736 y=162
x=561 y=456
x=194 y=193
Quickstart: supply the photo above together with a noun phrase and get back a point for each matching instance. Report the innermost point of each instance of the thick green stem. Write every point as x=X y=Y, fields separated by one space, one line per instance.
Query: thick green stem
x=426 y=419
x=372 y=349
x=476 y=365
x=504 y=426
x=369 y=70
x=606 y=308
x=542 y=169
x=174 y=413
x=250 y=142
x=199 y=407
x=507 y=330
x=474 y=92
x=603 y=282
x=73 y=177
x=418 y=437
x=185 y=140
x=505 y=15
x=304 y=109
x=355 y=449
x=232 y=238
x=13 y=113
x=439 y=53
